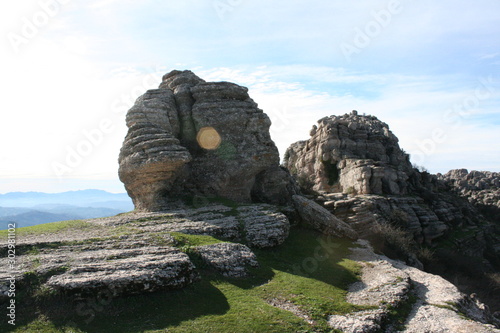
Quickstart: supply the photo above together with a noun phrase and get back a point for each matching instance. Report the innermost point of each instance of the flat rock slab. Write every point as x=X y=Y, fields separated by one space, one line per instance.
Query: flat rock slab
x=230 y=259
x=386 y=283
x=258 y=225
x=122 y=271
x=321 y=219
x=135 y=252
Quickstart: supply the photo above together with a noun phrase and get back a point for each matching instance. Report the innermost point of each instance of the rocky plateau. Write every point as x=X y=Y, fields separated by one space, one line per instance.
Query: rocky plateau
x=198 y=160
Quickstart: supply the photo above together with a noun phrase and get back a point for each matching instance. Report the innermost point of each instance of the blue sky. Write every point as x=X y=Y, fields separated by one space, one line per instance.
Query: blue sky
x=71 y=69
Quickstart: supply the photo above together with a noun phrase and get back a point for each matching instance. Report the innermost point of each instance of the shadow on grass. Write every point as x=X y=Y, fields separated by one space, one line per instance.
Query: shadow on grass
x=135 y=313
x=309 y=269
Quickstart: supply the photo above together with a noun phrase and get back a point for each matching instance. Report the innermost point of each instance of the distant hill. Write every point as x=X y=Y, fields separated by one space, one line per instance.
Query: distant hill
x=32 y=208
x=82 y=198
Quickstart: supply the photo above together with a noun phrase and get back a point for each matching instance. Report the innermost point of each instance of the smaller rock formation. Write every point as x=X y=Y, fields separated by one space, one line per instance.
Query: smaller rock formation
x=229 y=259
x=353 y=165
x=481 y=188
x=350 y=154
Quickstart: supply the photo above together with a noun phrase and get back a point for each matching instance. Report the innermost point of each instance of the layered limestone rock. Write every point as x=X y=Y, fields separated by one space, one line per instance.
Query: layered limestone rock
x=192 y=137
x=320 y=219
x=353 y=165
x=350 y=154
x=231 y=260
x=142 y=252
x=435 y=305
x=481 y=188
x=152 y=158
x=365 y=212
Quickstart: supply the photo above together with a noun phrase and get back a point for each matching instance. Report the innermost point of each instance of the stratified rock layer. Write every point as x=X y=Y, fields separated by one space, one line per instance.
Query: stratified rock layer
x=321 y=219
x=481 y=188
x=141 y=252
x=192 y=137
x=357 y=170
x=350 y=154
x=436 y=304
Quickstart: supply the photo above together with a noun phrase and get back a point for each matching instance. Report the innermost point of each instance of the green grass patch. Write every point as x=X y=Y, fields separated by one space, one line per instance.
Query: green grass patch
x=398 y=314
x=186 y=240
x=51 y=228
x=154 y=218
x=309 y=270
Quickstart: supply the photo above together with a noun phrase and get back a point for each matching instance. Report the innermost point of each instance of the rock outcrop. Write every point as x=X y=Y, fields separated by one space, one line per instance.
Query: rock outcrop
x=229 y=259
x=320 y=219
x=139 y=252
x=192 y=137
x=350 y=154
x=355 y=168
x=481 y=188
x=432 y=303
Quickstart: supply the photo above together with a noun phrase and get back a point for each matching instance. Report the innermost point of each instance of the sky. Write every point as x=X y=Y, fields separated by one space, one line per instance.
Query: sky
x=71 y=69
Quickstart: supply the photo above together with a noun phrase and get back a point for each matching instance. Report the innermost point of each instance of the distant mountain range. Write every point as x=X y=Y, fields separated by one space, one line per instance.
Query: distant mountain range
x=32 y=208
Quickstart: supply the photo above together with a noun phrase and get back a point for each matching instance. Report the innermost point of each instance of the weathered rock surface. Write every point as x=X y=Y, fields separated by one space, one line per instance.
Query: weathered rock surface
x=126 y=271
x=229 y=259
x=152 y=158
x=436 y=304
x=350 y=154
x=321 y=219
x=366 y=212
x=192 y=137
x=360 y=174
x=481 y=188
x=137 y=252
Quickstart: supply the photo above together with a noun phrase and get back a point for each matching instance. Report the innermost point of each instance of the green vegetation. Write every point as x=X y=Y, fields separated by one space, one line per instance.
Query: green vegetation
x=153 y=218
x=309 y=270
x=51 y=228
x=399 y=314
x=351 y=190
x=332 y=172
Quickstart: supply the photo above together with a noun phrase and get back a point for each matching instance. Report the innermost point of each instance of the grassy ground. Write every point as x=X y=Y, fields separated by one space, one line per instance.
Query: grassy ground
x=308 y=270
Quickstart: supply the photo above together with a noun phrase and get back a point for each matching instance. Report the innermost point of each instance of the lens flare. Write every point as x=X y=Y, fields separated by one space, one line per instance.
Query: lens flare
x=208 y=138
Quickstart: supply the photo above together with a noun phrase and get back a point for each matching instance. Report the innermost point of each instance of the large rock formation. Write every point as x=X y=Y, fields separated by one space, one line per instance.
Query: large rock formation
x=192 y=137
x=205 y=141
x=358 y=171
x=350 y=154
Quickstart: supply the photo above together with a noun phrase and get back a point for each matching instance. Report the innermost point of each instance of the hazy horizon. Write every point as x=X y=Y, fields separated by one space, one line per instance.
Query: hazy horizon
x=71 y=70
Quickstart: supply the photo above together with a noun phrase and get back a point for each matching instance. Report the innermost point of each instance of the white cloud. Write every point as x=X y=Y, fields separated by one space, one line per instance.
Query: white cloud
x=93 y=56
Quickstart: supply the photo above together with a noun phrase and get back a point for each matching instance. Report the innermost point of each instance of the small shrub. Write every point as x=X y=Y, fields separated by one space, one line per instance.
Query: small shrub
x=425 y=255
x=332 y=172
x=393 y=242
x=305 y=183
x=351 y=190
x=399 y=218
